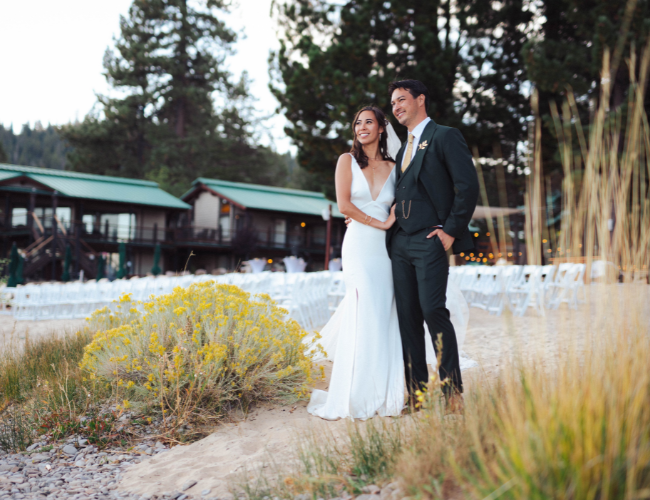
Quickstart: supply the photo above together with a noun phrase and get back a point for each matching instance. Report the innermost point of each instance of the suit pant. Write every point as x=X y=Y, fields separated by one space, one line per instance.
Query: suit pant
x=420 y=272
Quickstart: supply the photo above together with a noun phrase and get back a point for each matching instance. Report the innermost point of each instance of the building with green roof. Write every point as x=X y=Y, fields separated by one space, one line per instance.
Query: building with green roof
x=44 y=210
x=216 y=224
x=239 y=220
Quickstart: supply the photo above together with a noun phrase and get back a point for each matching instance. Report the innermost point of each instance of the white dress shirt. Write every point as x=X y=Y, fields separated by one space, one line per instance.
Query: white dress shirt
x=417 y=133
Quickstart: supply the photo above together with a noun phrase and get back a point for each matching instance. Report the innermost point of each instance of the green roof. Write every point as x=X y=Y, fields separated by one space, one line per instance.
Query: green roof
x=96 y=187
x=269 y=198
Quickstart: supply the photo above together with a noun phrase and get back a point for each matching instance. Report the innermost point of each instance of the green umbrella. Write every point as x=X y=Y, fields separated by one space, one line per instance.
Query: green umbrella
x=155 y=270
x=67 y=261
x=100 y=267
x=121 y=270
x=20 y=279
x=14 y=260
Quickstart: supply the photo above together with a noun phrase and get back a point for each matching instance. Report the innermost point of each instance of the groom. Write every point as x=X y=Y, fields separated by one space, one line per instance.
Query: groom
x=435 y=194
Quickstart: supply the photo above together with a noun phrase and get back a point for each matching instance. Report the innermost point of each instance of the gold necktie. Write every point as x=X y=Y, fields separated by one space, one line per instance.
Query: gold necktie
x=407 y=155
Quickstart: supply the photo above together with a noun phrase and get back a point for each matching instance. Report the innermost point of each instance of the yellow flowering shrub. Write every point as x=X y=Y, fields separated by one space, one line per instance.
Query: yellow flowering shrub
x=206 y=347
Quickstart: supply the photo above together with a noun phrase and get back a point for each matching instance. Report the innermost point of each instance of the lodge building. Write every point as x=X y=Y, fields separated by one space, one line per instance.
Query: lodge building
x=215 y=225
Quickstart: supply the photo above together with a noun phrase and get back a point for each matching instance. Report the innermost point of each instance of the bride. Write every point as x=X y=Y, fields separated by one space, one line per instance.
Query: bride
x=363 y=336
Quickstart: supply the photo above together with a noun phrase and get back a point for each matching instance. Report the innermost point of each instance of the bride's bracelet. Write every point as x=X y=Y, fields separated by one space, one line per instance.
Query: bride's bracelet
x=367 y=220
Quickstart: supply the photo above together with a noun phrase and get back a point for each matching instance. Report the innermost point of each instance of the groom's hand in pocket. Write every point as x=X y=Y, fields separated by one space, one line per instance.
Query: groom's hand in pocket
x=446 y=240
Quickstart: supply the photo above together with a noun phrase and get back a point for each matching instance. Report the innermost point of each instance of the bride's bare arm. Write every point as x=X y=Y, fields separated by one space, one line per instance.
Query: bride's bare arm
x=343 y=180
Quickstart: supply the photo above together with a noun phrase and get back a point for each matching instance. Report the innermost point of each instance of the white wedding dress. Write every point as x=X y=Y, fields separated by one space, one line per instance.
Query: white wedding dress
x=363 y=337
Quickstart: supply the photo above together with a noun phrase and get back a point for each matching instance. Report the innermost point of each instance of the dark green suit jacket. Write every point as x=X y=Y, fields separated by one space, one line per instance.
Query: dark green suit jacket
x=440 y=186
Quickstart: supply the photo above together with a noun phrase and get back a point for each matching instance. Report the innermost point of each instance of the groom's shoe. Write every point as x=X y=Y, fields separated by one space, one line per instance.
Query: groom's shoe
x=455 y=405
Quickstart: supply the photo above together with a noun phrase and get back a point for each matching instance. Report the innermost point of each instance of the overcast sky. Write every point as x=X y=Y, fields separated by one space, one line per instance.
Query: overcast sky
x=51 y=57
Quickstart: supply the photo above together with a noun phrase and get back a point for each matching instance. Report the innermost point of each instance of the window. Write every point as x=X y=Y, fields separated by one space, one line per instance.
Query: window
x=18 y=217
x=280 y=232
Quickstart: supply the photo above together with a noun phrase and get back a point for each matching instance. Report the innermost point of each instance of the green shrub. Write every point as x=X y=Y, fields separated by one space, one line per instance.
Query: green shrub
x=206 y=349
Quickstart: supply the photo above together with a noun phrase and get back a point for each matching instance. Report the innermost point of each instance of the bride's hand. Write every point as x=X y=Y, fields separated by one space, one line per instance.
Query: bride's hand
x=391 y=219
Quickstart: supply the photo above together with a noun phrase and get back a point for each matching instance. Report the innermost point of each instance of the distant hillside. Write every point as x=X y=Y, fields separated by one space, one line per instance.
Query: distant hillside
x=37 y=147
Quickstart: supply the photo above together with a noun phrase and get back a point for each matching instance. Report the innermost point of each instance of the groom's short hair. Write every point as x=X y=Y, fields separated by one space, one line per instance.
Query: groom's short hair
x=415 y=87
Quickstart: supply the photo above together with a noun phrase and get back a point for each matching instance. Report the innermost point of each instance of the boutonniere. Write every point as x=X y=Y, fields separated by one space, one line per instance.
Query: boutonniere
x=423 y=145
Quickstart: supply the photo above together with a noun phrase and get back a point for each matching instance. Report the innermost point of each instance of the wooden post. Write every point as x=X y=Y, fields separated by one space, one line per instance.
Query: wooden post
x=54 y=231
x=155 y=232
x=328 y=239
x=30 y=215
x=7 y=212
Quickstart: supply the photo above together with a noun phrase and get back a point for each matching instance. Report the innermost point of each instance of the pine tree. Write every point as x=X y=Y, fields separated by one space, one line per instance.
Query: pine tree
x=335 y=59
x=567 y=54
x=37 y=147
x=167 y=63
x=569 y=49
x=3 y=155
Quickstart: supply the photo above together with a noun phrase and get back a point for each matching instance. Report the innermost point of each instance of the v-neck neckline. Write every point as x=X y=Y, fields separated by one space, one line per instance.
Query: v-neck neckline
x=368 y=184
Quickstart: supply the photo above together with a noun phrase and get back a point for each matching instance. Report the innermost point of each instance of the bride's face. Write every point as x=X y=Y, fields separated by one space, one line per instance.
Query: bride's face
x=366 y=128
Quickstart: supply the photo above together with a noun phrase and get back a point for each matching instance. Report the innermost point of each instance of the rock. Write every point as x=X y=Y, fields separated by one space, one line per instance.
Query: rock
x=302 y=496
x=33 y=447
x=188 y=485
x=388 y=490
x=205 y=492
x=159 y=445
x=366 y=496
x=372 y=489
x=68 y=449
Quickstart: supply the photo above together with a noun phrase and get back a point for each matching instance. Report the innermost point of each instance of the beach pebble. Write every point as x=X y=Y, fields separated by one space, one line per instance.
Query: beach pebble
x=188 y=484
x=68 y=449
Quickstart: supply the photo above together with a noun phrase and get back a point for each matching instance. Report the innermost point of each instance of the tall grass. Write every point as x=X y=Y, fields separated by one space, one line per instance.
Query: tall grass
x=26 y=366
x=606 y=167
x=40 y=380
x=576 y=428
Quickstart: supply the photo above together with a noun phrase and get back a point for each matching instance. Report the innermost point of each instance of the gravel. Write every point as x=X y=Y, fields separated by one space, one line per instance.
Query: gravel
x=76 y=470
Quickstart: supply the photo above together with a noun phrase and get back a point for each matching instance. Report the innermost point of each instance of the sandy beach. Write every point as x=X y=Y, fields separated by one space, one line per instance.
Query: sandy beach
x=12 y=330
x=269 y=432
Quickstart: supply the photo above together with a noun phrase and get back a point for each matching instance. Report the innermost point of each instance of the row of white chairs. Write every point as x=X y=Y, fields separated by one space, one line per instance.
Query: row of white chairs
x=493 y=288
x=304 y=295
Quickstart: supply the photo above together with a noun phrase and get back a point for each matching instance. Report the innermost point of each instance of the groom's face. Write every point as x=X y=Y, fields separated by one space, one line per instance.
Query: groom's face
x=405 y=107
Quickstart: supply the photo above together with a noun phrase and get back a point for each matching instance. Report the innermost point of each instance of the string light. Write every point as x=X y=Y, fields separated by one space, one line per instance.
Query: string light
x=302 y=224
x=462 y=254
x=509 y=254
x=491 y=256
x=487 y=234
x=484 y=260
x=480 y=255
x=475 y=235
x=270 y=261
x=544 y=241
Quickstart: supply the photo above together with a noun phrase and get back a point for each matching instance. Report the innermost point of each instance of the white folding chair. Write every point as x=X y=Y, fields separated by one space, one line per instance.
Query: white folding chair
x=526 y=292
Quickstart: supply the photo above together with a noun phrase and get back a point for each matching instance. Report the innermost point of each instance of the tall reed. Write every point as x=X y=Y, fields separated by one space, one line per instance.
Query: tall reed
x=605 y=195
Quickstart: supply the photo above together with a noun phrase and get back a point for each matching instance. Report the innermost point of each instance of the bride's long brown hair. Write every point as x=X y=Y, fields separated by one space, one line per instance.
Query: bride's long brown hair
x=357 y=149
